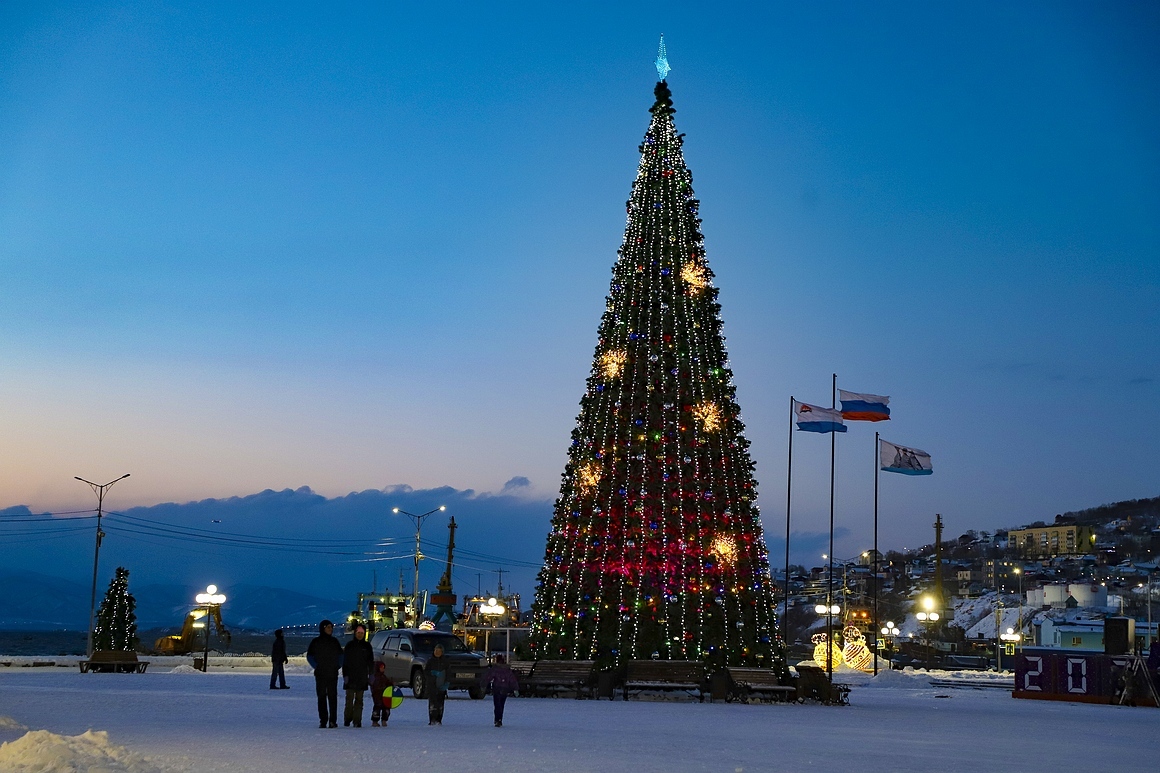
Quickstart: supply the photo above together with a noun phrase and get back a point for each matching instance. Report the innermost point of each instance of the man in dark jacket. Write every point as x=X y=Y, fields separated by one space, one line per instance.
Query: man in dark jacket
x=279 y=660
x=325 y=656
x=358 y=664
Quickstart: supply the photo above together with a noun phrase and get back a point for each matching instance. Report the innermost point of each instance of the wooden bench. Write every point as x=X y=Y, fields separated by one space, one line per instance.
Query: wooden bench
x=109 y=661
x=666 y=675
x=521 y=668
x=758 y=683
x=813 y=683
x=550 y=677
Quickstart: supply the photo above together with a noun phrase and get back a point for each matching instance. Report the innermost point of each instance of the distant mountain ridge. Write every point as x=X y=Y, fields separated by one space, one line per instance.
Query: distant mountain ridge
x=330 y=547
x=37 y=602
x=1129 y=508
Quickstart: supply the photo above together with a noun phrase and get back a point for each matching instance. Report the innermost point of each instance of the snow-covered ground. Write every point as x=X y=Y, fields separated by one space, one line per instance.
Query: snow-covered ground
x=228 y=720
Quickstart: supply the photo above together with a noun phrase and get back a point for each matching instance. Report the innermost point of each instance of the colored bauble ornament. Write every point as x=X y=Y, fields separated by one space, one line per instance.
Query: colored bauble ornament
x=855 y=652
x=822 y=645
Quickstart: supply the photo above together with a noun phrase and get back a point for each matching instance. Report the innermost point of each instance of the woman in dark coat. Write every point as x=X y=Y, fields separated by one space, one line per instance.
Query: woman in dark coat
x=502 y=682
x=279 y=660
x=436 y=686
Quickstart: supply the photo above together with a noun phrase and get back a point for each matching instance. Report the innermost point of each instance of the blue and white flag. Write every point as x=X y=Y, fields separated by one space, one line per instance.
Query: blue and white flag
x=863 y=407
x=814 y=418
x=908 y=461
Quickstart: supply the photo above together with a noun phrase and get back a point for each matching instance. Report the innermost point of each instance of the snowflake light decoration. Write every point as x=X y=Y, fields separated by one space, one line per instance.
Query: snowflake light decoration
x=709 y=414
x=694 y=276
x=587 y=477
x=612 y=363
x=725 y=549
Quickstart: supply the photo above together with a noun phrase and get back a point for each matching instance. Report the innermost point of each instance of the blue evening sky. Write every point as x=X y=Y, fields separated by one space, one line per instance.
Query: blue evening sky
x=248 y=246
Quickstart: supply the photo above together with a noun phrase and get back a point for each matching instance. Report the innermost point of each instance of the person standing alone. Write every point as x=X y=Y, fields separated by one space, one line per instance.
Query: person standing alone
x=279 y=660
x=358 y=662
x=436 y=686
x=325 y=656
x=502 y=682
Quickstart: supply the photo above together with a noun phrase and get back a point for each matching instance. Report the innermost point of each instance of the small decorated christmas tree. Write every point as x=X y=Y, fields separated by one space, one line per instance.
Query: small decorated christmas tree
x=116 y=627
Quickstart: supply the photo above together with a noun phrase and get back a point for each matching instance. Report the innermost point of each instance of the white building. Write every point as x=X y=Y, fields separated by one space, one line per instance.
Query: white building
x=1085 y=594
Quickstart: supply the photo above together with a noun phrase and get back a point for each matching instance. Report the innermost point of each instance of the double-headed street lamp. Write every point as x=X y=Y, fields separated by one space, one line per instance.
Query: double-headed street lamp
x=829 y=611
x=99 y=489
x=927 y=618
x=418 y=519
x=889 y=633
x=211 y=599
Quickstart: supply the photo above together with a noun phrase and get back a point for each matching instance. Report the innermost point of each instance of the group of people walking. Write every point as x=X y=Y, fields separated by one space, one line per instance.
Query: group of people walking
x=361 y=671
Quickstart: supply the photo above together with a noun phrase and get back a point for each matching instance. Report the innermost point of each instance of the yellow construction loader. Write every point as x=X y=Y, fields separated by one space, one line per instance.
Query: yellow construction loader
x=189 y=640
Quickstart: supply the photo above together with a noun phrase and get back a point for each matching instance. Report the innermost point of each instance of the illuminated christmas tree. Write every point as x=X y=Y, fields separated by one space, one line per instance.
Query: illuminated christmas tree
x=116 y=627
x=656 y=546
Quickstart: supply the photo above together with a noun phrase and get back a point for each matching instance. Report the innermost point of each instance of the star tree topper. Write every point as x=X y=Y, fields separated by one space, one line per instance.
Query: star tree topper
x=662 y=61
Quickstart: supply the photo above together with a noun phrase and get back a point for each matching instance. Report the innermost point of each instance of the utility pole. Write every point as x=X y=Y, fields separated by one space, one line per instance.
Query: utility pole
x=418 y=519
x=938 y=575
x=99 y=489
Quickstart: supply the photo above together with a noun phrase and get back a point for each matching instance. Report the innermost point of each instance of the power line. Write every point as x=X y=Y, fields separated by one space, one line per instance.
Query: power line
x=216 y=534
x=46 y=515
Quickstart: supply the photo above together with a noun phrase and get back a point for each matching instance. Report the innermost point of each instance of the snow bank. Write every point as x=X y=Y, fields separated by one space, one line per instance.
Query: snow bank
x=8 y=723
x=39 y=751
x=907 y=680
x=185 y=669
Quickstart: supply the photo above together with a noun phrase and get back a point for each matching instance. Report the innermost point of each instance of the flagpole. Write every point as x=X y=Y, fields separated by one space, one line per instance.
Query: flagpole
x=788 y=492
x=876 y=634
x=830 y=579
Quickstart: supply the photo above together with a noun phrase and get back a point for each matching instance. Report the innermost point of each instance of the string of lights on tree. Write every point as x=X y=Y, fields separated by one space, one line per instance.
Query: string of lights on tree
x=116 y=624
x=656 y=547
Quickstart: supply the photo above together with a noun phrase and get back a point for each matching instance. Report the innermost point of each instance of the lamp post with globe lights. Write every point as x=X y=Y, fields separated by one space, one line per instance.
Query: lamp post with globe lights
x=829 y=611
x=211 y=600
x=928 y=618
x=1010 y=641
x=492 y=611
x=889 y=633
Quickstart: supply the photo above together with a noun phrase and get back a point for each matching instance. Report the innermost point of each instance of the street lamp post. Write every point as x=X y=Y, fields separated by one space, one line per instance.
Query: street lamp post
x=1010 y=640
x=829 y=610
x=889 y=632
x=1019 y=574
x=418 y=519
x=927 y=618
x=1148 y=589
x=492 y=611
x=99 y=489
x=211 y=599
x=1151 y=632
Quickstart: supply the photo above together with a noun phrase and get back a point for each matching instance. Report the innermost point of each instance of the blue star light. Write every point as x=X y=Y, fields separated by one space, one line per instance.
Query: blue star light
x=662 y=61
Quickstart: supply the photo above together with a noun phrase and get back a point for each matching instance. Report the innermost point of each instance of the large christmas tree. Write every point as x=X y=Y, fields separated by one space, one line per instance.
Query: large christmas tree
x=116 y=627
x=656 y=548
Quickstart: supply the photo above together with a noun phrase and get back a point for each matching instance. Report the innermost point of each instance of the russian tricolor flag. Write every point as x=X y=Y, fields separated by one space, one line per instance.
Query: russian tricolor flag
x=814 y=418
x=860 y=407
